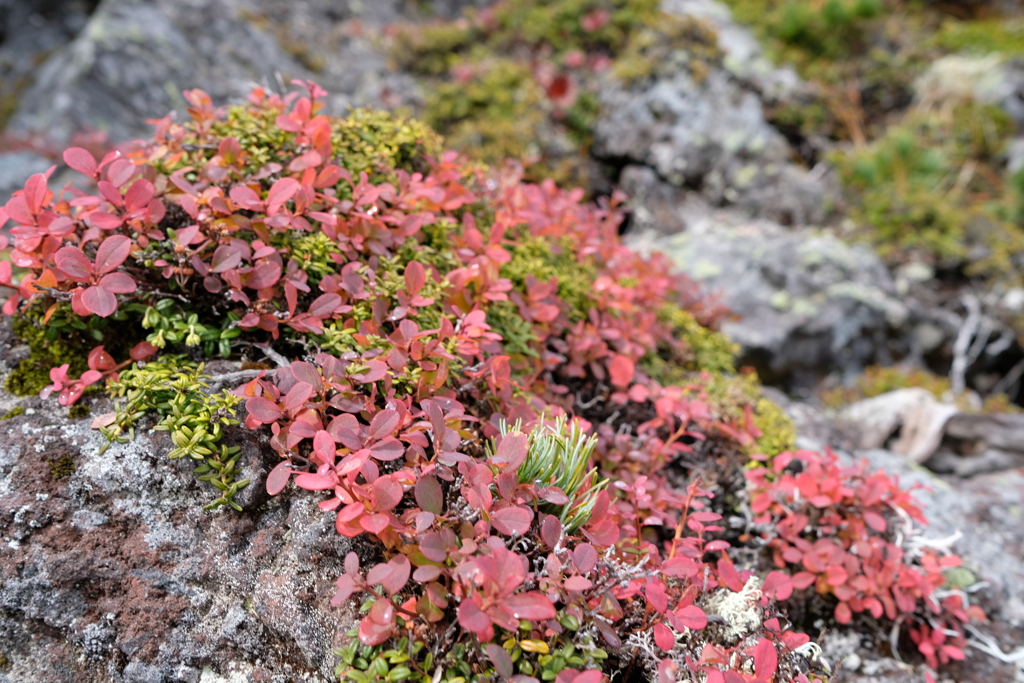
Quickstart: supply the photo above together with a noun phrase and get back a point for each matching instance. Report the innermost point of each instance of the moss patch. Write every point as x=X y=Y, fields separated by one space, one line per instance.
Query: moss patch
x=62 y=467
x=13 y=412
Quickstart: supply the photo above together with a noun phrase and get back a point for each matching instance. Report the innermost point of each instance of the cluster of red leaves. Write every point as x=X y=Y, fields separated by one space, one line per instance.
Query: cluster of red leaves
x=838 y=526
x=393 y=429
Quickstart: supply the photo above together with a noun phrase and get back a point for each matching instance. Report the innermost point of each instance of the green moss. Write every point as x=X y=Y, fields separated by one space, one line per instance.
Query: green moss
x=544 y=261
x=514 y=82
x=930 y=187
x=371 y=141
x=79 y=411
x=1004 y=35
x=48 y=349
x=13 y=412
x=62 y=467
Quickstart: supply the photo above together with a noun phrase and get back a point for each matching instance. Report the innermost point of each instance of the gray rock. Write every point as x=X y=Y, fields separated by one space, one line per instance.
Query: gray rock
x=708 y=138
x=115 y=572
x=808 y=304
x=16 y=167
x=134 y=58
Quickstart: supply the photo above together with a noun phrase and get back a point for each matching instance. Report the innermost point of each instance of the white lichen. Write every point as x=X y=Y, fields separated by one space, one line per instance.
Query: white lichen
x=741 y=611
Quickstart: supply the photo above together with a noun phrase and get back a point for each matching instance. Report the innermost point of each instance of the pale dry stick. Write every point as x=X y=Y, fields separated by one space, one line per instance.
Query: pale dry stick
x=958 y=372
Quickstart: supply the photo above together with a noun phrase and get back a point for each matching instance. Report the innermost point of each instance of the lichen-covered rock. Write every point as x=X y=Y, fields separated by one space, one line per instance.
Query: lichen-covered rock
x=808 y=304
x=111 y=571
x=703 y=132
x=134 y=57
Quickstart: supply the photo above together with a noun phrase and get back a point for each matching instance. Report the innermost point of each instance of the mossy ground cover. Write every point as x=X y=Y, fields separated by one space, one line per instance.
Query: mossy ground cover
x=519 y=80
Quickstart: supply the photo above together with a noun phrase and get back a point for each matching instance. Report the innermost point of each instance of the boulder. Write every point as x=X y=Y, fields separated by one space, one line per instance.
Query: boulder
x=110 y=570
x=807 y=303
x=702 y=132
x=134 y=57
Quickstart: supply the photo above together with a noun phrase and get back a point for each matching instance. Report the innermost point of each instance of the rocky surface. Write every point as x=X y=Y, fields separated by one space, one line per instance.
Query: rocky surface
x=807 y=303
x=133 y=58
x=111 y=571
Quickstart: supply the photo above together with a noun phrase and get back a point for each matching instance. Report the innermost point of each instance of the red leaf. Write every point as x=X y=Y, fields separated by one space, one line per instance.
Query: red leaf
x=622 y=370
x=384 y=423
x=139 y=194
x=584 y=556
x=399 y=576
x=577 y=583
x=663 y=638
x=843 y=613
x=118 y=283
x=35 y=192
x=264 y=275
x=246 y=198
x=551 y=530
x=802 y=580
x=532 y=606
x=80 y=160
x=99 y=301
x=471 y=618
x=875 y=521
x=429 y=495
x=778 y=586
x=766 y=660
x=312 y=481
x=225 y=258
x=512 y=450
x=375 y=370
x=73 y=263
x=279 y=477
x=324 y=305
x=112 y=253
x=105 y=221
x=692 y=617
x=387 y=493
x=415 y=277
x=263 y=410
x=501 y=659
x=512 y=520
x=283 y=190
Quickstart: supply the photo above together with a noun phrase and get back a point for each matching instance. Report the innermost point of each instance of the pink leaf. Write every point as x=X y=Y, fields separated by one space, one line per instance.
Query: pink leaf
x=532 y=606
x=843 y=613
x=118 y=283
x=80 y=160
x=264 y=275
x=279 y=477
x=663 y=638
x=73 y=263
x=512 y=520
x=766 y=660
x=139 y=194
x=375 y=370
x=692 y=617
x=429 y=495
x=225 y=258
x=283 y=190
x=112 y=253
x=472 y=618
x=875 y=521
x=263 y=410
x=778 y=586
x=384 y=423
x=415 y=277
x=399 y=576
x=387 y=493
x=246 y=198
x=104 y=220
x=324 y=305
x=99 y=301
x=584 y=556
x=577 y=583
x=512 y=450
x=622 y=370
x=314 y=482
x=501 y=659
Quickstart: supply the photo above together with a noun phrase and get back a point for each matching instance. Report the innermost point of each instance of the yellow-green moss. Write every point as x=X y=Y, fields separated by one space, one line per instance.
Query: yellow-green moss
x=373 y=141
x=1004 y=35
x=63 y=466
x=488 y=97
x=930 y=187
x=79 y=411
x=13 y=412
x=877 y=380
x=544 y=260
x=33 y=374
